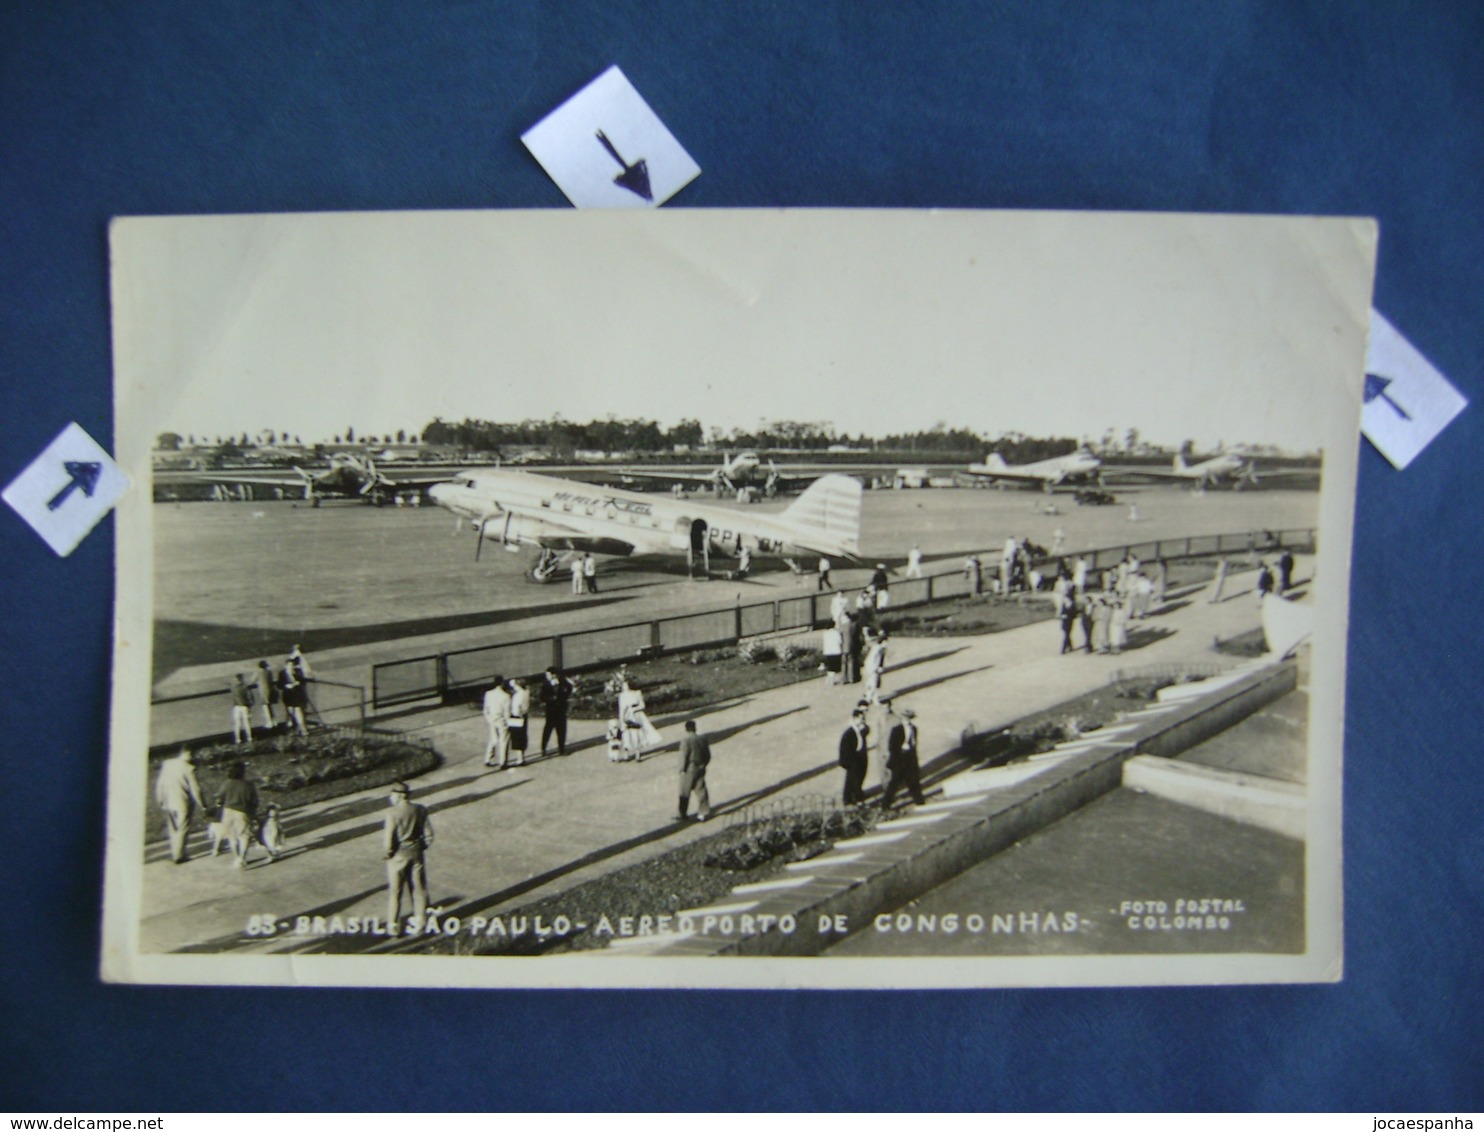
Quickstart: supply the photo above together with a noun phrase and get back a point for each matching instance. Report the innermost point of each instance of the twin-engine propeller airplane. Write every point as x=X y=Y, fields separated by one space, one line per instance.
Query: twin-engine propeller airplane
x=744 y=472
x=348 y=476
x=1232 y=467
x=561 y=517
x=1079 y=466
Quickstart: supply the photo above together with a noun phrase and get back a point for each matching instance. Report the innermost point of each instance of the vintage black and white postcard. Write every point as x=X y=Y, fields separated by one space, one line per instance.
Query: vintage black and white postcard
x=732 y=598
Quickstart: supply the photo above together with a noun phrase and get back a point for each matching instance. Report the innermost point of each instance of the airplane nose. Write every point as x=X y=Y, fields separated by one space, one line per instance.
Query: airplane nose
x=438 y=493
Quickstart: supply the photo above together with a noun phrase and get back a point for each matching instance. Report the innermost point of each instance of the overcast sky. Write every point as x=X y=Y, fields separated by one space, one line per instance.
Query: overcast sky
x=1235 y=329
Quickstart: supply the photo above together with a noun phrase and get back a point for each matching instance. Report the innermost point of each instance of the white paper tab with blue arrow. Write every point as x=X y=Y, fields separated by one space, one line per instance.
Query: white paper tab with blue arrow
x=605 y=148
x=1407 y=401
x=67 y=489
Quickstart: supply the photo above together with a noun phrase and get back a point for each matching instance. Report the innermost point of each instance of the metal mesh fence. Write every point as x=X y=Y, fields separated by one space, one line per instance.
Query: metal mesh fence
x=405 y=681
x=913 y=591
x=402 y=681
x=1208 y=544
x=696 y=629
x=594 y=646
x=757 y=619
x=471 y=668
x=796 y=612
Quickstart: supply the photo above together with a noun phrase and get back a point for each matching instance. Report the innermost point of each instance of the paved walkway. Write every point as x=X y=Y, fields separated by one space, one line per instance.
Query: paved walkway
x=503 y=839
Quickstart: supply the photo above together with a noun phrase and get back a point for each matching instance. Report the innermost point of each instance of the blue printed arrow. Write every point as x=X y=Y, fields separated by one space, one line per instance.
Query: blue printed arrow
x=634 y=177
x=84 y=475
x=1375 y=386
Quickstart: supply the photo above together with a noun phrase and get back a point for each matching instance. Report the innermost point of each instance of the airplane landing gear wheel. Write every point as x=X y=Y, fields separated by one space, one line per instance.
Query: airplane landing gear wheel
x=544 y=569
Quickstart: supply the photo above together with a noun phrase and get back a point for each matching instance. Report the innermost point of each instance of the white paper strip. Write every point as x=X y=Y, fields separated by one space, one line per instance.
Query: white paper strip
x=67 y=489
x=1407 y=401
x=605 y=148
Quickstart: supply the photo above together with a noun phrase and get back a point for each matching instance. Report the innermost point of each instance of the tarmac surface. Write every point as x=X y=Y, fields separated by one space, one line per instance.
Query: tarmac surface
x=505 y=838
x=355 y=585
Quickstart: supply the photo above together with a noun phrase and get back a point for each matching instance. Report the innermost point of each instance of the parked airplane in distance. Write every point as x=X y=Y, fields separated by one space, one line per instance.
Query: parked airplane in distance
x=744 y=471
x=1078 y=466
x=348 y=476
x=1233 y=467
x=560 y=517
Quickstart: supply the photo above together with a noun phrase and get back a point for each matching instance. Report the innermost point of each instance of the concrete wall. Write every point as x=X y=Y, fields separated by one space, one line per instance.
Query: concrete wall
x=889 y=875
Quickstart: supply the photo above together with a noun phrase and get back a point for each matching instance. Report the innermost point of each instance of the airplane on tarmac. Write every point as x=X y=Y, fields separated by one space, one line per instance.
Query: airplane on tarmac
x=560 y=517
x=348 y=476
x=744 y=471
x=1228 y=466
x=1078 y=466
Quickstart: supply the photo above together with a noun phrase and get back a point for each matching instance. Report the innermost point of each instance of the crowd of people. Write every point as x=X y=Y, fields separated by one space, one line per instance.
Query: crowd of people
x=281 y=694
x=1104 y=603
x=235 y=817
x=507 y=712
x=1101 y=603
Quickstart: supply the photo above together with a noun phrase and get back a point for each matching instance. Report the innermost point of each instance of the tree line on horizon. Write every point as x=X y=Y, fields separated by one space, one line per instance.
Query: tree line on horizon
x=563 y=439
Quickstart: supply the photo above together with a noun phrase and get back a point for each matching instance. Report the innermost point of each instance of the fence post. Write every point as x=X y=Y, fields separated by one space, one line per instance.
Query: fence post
x=654 y=635
x=931 y=578
x=737 y=619
x=556 y=652
x=441 y=677
x=775 y=617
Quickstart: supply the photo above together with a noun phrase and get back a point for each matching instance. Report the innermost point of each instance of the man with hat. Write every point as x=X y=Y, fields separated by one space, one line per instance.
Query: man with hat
x=177 y=793
x=695 y=757
x=879 y=591
x=901 y=760
x=854 y=744
x=406 y=835
x=497 y=715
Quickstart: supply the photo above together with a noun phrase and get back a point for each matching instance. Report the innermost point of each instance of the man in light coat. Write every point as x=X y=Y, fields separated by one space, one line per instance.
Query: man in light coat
x=406 y=834
x=177 y=793
x=497 y=715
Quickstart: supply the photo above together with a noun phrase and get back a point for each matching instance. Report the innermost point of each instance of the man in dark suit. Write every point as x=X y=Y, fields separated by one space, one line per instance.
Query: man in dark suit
x=556 y=697
x=853 y=744
x=901 y=760
x=695 y=757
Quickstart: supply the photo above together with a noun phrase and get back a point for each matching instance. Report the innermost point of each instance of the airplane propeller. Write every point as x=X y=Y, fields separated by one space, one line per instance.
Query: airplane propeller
x=478 y=538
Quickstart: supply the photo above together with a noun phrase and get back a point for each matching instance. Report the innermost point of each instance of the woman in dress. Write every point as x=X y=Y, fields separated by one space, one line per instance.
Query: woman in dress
x=831 y=647
x=639 y=735
x=875 y=666
x=1118 y=624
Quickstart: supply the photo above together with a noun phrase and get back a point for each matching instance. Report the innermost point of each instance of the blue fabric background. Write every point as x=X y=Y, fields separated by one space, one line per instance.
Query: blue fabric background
x=1317 y=107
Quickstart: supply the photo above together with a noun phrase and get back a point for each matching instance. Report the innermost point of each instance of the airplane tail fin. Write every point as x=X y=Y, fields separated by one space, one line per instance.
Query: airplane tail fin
x=830 y=510
x=996 y=461
x=1180 y=465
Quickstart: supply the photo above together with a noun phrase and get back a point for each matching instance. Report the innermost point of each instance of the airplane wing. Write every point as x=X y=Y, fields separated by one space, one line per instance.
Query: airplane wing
x=1010 y=476
x=251 y=479
x=400 y=480
x=280 y=478
x=706 y=478
x=1248 y=471
x=539 y=527
x=1116 y=475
